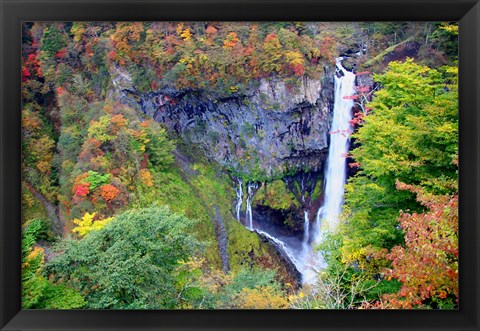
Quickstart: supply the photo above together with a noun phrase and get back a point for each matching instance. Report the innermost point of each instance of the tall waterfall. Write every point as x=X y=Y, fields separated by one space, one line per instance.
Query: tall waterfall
x=335 y=174
x=239 y=192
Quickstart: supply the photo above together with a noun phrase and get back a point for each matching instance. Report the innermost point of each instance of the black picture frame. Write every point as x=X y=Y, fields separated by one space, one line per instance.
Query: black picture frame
x=13 y=12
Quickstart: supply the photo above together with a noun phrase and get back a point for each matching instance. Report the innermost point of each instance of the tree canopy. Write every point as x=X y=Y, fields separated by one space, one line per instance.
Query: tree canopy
x=122 y=264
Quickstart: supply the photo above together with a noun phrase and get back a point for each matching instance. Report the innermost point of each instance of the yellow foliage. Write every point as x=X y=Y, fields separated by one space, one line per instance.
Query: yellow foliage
x=28 y=199
x=231 y=40
x=294 y=58
x=351 y=254
x=78 y=30
x=261 y=298
x=215 y=280
x=186 y=34
x=451 y=28
x=34 y=253
x=30 y=121
x=146 y=177
x=43 y=166
x=86 y=224
x=179 y=28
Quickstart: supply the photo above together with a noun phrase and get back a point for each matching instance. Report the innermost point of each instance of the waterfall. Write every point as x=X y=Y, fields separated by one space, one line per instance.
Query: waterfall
x=335 y=174
x=251 y=187
x=299 y=251
x=239 y=192
x=306 y=231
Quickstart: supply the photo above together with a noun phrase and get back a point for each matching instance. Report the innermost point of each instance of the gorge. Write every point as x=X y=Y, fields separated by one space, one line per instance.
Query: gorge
x=226 y=165
x=259 y=137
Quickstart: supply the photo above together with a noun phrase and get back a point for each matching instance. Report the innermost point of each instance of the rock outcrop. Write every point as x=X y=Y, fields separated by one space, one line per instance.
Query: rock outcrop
x=270 y=129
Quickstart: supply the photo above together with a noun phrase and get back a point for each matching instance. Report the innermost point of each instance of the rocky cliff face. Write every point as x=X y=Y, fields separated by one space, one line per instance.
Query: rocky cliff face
x=262 y=133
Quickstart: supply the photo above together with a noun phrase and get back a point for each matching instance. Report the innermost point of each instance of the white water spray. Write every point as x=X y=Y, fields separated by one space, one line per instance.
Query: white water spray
x=239 y=192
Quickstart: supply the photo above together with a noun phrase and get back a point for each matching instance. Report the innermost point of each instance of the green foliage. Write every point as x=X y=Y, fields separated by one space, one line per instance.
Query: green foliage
x=275 y=195
x=130 y=263
x=159 y=147
x=99 y=129
x=31 y=234
x=243 y=245
x=232 y=292
x=37 y=291
x=96 y=180
x=411 y=136
x=53 y=40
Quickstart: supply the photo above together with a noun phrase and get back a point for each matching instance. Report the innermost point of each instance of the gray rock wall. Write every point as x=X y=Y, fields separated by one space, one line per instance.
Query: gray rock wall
x=270 y=129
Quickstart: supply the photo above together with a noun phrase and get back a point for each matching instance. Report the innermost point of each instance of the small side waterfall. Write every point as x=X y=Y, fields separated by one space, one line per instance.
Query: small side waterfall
x=251 y=188
x=282 y=244
x=306 y=231
x=239 y=192
x=283 y=248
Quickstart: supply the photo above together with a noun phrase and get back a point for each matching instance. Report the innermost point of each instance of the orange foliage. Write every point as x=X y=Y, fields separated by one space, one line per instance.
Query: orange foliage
x=231 y=40
x=109 y=192
x=117 y=122
x=146 y=177
x=428 y=264
x=327 y=48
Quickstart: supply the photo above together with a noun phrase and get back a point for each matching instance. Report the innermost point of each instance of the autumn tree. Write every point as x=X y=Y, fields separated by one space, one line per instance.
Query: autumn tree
x=427 y=266
x=410 y=135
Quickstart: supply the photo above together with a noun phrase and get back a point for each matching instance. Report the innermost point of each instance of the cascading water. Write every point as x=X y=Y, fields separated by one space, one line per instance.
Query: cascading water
x=251 y=188
x=282 y=246
x=239 y=192
x=335 y=175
